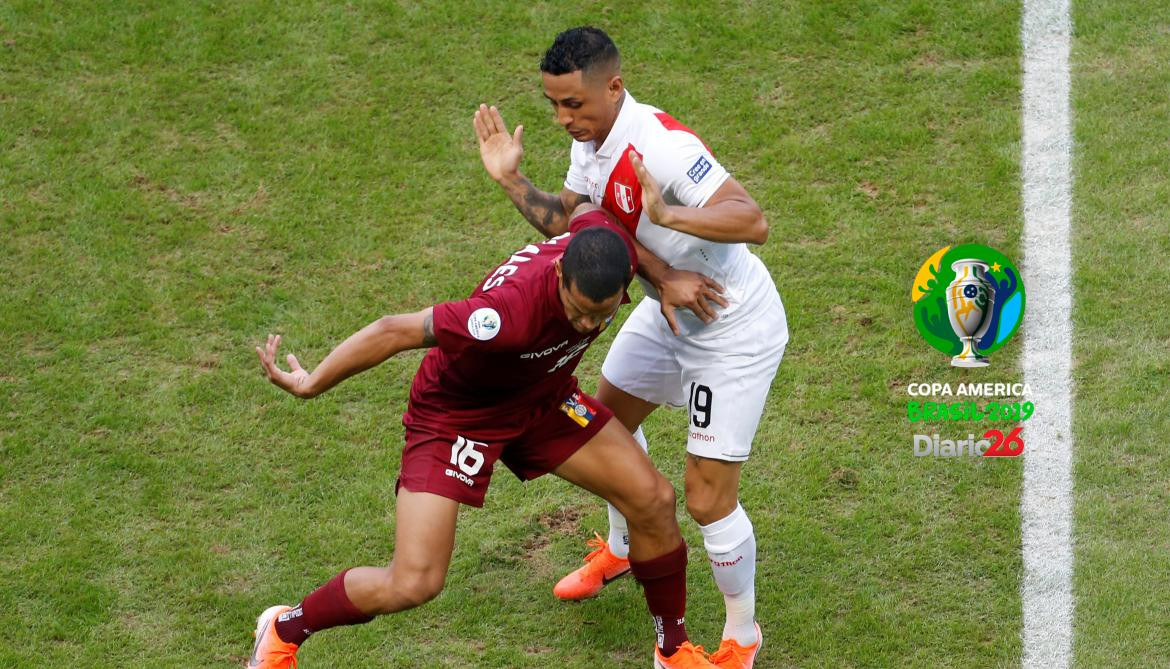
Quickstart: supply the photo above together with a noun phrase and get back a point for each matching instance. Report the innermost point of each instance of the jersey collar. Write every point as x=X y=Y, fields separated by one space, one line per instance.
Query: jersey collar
x=616 y=140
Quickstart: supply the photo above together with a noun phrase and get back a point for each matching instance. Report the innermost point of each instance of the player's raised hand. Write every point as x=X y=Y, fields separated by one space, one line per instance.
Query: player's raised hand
x=689 y=290
x=652 y=203
x=501 y=152
x=295 y=381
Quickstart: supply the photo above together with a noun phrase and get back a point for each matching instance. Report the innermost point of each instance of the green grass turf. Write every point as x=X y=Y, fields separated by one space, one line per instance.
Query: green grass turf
x=1121 y=248
x=177 y=181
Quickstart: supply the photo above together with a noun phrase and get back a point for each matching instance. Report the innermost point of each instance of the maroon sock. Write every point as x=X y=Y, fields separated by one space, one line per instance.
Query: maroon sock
x=664 y=582
x=327 y=606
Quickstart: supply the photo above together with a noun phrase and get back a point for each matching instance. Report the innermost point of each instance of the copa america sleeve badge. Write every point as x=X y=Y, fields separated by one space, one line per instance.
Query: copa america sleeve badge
x=484 y=323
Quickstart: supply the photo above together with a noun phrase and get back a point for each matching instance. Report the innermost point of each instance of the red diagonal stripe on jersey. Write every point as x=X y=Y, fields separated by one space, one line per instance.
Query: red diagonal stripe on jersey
x=671 y=123
x=623 y=193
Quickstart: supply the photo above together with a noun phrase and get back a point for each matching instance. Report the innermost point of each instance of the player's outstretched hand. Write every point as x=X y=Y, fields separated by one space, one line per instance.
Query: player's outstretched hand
x=296 y=381
x=501 y=152
x=652 y=202
x=689 y=290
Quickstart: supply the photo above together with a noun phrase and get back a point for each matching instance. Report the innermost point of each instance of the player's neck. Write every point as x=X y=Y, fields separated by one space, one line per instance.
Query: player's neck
x=601 y=137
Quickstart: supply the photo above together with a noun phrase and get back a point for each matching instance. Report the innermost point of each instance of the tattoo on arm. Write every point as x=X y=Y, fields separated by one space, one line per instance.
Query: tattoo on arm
x=578 y=200
x=429 y=330
x=541 y=209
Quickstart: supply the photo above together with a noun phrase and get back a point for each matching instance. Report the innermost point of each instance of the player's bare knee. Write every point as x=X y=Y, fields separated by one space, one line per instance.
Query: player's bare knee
x=665 y=500
x=707 y=505
x=420 y=587
x=654 y=505
x=405 y=588
x=707 y=510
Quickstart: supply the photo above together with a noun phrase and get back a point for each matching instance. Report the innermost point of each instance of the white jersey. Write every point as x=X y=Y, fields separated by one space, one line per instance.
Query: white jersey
x=689 y=175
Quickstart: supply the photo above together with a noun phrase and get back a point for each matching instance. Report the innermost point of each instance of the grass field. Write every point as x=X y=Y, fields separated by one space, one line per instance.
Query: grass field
x=1121 y=246
x=178 y=180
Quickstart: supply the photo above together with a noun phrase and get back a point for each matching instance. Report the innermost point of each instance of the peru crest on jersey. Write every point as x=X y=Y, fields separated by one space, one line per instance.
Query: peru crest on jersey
x=623 y=193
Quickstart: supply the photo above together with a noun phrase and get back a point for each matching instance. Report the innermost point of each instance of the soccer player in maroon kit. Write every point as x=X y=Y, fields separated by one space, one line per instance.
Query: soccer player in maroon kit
x=498 y=384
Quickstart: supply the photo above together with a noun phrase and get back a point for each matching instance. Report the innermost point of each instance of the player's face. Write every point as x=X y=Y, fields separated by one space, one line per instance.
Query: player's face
x=584 y=105
x=585 y=314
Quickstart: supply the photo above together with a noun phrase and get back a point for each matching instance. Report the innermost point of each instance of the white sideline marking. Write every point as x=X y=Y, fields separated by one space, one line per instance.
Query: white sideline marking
x=1046 y=504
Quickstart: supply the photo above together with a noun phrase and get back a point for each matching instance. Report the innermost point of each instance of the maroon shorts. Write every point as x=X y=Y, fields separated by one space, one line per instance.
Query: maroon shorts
x=450 y=456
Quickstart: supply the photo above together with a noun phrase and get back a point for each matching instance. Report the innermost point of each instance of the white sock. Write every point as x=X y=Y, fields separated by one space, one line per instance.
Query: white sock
x=619 y=533
x=731 y=546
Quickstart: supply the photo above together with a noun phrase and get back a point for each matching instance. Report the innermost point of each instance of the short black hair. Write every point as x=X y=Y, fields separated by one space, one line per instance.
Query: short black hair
x=582 y=48
x=597 y=262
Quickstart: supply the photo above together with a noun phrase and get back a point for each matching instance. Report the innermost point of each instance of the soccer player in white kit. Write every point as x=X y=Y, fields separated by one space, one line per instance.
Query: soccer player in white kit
x=692 y=221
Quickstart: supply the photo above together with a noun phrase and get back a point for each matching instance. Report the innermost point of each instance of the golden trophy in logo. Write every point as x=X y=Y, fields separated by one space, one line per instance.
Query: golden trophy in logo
x=970 y=301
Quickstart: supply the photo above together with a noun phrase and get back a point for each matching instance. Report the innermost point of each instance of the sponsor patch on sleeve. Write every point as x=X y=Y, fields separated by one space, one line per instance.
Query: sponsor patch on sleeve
x=699 y=170
x=576 y=408
x=483 y=323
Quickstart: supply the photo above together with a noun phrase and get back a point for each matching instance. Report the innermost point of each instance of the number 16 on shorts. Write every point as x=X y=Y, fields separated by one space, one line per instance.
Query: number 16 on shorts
x=465 y=456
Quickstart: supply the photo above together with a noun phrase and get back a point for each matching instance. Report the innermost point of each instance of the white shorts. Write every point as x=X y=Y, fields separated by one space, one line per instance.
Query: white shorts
x=722 y=373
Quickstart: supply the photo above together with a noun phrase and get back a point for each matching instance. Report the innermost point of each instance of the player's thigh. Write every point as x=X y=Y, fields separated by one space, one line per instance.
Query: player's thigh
x=612 y=466
x=726 y=384
x=630 y=410
x=641 y=361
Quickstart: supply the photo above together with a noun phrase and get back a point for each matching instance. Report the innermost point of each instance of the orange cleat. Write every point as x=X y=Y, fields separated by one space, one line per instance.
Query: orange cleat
x=601 y=567
x=731 y=655
x=686 y=657
x=269 y=652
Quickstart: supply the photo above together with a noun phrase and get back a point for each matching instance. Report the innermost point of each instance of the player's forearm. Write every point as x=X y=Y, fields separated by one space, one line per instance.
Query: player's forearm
x=727 y=221
x=369 y=347
x=544 y=211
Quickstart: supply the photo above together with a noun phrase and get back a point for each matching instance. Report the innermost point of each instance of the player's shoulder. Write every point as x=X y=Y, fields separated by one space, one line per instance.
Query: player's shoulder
x=662 y=128
x=521 y=271
x=508 y=312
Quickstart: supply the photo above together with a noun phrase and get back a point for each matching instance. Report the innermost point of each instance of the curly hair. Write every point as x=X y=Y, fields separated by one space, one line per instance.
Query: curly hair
x=584 y=48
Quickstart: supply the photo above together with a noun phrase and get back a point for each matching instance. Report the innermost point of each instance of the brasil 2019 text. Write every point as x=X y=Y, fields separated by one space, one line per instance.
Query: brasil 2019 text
x=937 y=412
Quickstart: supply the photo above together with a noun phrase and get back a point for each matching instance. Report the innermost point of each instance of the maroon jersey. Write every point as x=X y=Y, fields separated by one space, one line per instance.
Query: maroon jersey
x=509 y=346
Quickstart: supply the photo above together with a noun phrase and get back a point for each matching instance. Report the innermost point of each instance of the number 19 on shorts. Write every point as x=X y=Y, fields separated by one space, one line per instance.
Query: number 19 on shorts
x=700 y=405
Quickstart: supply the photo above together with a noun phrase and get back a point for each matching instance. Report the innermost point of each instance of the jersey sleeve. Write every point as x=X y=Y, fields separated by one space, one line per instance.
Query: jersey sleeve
x=484 y=322
x=575 y=179
x=686 y=170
